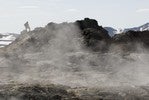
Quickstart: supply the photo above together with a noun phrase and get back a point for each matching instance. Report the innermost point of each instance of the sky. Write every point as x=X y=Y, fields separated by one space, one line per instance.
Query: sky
x=113 y=13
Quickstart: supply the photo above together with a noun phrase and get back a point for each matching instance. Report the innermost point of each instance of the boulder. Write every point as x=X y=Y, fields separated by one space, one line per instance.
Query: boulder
x=95 y=36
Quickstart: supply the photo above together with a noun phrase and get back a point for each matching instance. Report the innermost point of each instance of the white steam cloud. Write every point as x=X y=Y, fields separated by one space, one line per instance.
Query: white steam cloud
x=143 y=10
x=64 y=61
x=29 y=7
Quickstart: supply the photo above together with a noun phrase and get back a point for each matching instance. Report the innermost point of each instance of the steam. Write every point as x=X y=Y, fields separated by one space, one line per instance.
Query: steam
x=64 y=60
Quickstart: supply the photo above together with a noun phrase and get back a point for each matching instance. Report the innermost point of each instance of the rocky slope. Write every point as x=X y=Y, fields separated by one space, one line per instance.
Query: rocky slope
x=58 y=92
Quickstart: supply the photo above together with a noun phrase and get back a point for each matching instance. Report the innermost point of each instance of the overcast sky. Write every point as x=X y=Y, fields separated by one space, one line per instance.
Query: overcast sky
x=114 y=13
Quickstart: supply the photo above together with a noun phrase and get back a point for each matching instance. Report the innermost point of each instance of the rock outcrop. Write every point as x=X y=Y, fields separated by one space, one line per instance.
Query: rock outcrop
x=92 y=30
x=95 y=36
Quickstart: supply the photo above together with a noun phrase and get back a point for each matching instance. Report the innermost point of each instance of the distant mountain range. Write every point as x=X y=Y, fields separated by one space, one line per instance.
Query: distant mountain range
x=7 y=38
x=140 y=28
x=111 y=31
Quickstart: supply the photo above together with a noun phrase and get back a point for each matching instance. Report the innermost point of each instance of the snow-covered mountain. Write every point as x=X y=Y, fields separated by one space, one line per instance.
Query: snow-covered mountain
x=140 y=28
x=111 y=31
x=7 y=38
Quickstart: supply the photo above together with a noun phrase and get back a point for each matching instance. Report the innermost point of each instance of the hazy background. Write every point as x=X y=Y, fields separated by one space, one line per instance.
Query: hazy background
x=114 y=13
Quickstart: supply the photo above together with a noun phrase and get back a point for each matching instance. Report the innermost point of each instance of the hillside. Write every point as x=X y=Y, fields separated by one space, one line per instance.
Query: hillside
x=76 y=61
